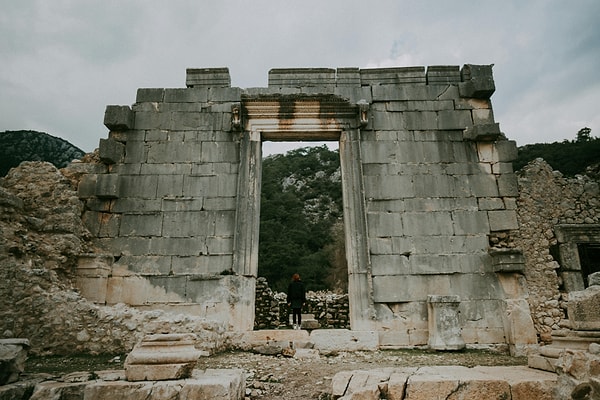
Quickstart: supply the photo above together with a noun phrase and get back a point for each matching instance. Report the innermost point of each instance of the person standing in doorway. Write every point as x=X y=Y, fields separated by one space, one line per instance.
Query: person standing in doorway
x=296 y=297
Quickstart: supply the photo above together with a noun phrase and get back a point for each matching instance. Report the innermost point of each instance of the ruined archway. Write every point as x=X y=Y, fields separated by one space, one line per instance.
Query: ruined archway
x=427 y=184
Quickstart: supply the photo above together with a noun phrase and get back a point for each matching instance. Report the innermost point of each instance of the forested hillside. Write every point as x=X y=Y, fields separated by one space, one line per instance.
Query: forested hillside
x=571 y=157
x=19 y=146
x=301 y=218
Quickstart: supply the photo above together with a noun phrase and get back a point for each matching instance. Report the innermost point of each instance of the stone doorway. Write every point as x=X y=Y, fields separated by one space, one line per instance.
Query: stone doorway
x=305 y=118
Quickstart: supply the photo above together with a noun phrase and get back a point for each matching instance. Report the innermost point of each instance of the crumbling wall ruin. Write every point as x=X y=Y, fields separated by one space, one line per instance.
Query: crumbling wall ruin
x=426 y=177
x=41 y=239
x=550 y=204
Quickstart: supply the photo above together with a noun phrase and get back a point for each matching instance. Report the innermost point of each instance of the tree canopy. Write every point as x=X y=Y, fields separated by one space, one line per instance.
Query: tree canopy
x=301 y=201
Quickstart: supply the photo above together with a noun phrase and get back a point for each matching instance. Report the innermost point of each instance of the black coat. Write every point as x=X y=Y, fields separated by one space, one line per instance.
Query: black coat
x=296 y=295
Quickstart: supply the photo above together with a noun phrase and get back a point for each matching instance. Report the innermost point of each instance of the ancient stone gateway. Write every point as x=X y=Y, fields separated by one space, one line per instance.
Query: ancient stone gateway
x=427 y=181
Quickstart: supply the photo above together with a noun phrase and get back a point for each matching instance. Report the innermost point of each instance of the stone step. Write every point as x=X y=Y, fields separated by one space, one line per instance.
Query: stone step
x=444 y=382
x=214 y=384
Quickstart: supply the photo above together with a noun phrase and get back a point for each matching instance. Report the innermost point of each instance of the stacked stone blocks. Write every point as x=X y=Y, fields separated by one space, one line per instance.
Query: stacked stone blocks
x=436 y=170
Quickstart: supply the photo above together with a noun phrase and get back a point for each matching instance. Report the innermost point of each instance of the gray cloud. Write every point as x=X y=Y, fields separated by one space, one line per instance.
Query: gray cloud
x=64 y=61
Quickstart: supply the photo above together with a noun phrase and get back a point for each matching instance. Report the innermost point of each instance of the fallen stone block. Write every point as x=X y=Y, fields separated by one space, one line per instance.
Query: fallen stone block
x=13 y=354
x=210 y=384
x=162 y=357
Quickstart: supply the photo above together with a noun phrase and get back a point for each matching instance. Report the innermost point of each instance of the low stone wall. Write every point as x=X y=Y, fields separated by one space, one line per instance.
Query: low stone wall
x=330 y=310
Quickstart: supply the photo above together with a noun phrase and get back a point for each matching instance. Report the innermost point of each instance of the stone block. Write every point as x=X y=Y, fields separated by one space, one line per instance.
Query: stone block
x=152 y=120
x=444 y=327
x=482 y=133
x=390 y=206
x=162 y=357
x=202 y=264
x=389 y=264
x=470 y=222
x=92 y=276
x=443 y=74
x=454 y=119
x=393 y=76
x=441 y=186
x=503 y=220
x=433 y=264
x=141 y=225
x=384 y=224
x=507 y=150
x=13 y=355
x=173 y=152
x=507 y=260
x=445 y=382
x=153 y=95
x=348 y=77
x=490 y=203
x=207 y=77
x=386 y=121
x=169 y=185
x=130 y=205
x=118 y=118
x=147 y=265
x=397 y=383
x=301 y=77
x=389 y=187
x=107 y=186
x=111 y=151
x=427 y=223
x=402 y=288
x=135 y=153
x=481 y=185
x=525 y=383
x=417 y=120
x=507 y=185
x=482 y=116
x=189 y=95
x=478 y=81
x=583 y=309
x=138 y=186
x=334 y=340
x=518 y=325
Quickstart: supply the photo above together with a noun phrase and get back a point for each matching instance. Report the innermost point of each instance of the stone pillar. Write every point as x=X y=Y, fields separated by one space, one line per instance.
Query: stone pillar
x=360 y=285
x=444 y=328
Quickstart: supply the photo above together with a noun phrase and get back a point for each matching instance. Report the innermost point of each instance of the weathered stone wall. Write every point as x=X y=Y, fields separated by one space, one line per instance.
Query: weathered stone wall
x=331 y=310
x=546 y=201
x=427 y=177
x=171 y=207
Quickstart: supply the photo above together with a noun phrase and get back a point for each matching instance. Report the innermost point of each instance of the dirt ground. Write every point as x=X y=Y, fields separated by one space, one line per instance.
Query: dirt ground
x=280 y=377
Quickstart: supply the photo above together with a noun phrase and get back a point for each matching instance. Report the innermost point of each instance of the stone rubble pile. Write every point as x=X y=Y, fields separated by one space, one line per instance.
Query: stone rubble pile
x=331 y=310
x=41 y=238
x=547 y=199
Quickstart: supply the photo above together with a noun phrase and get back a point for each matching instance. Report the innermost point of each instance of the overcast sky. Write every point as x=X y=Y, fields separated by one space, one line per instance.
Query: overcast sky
x=63 y=61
